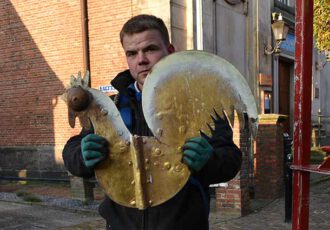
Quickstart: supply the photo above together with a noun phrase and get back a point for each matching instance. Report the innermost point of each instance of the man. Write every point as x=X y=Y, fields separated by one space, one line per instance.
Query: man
x=214 y=159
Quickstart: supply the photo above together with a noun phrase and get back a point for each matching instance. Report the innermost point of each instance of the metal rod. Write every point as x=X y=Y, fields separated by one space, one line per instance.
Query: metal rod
x=319 y=131
x=85 y=36
x=14 y=178
x=302 y=112
x=32 y=179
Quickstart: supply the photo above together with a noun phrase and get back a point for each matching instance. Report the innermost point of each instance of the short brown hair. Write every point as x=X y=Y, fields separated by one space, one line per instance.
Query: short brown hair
x=143 y=22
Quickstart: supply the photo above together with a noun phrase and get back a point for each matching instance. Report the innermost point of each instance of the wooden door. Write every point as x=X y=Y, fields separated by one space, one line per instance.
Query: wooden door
x=284 y=76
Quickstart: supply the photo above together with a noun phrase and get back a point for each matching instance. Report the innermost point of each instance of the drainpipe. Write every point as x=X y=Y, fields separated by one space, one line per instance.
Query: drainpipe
x=85 y=37
x=276 y=81
x=199 y=24
x=215 y=26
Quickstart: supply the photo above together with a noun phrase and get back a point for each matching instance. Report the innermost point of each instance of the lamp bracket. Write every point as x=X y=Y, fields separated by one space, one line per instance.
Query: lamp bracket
x=276 y=50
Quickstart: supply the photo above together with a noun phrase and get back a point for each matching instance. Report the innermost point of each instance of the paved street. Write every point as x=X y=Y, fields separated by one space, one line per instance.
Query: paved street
x=269 y=215
x=272 y=217
x=30 y=217
x=24 y=216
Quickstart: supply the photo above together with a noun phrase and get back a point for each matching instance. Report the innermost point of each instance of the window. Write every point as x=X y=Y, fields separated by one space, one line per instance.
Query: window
x=267 y=102
x=290 y=3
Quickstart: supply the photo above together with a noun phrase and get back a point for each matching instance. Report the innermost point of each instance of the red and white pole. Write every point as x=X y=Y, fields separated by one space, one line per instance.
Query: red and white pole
x=302 y=112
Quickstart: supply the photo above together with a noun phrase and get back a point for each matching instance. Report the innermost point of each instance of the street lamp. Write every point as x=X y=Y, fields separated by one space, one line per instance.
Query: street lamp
x=280 y=31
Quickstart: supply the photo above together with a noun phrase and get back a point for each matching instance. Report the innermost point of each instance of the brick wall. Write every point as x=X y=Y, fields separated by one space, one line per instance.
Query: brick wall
x=233 y=198
x=269 y=162
x=106 y=55
x=40 y=47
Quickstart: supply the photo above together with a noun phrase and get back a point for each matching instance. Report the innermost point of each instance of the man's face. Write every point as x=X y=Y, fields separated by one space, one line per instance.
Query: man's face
x=143 y=50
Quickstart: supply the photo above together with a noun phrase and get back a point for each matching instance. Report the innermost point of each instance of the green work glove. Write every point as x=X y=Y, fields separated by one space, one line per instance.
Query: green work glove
x=196 y=152
x=94 y=149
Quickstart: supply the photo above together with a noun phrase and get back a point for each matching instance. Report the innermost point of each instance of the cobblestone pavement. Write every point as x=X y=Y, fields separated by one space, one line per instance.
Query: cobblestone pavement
x=270 y=217
x=269 y=214
x=24 y=216
x=266 y=214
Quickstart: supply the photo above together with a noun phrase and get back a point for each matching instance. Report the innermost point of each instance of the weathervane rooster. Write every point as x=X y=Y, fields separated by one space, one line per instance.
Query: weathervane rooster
x=181 y=97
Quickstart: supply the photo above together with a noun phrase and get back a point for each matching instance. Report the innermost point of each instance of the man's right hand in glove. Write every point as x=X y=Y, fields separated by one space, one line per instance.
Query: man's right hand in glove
x=94 y=149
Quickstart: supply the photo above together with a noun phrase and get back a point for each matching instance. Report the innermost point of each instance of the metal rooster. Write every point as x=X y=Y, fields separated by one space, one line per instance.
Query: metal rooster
x=179 y=95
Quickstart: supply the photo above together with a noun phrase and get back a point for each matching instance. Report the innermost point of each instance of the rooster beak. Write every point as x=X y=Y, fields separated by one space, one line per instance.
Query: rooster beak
x=71 y=118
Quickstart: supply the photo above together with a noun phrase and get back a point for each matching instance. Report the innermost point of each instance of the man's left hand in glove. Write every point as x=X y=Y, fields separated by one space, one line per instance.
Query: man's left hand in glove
x=196 y=152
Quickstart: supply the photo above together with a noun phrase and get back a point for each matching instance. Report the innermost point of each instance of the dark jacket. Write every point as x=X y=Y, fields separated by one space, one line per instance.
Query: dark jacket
x=187 y=210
